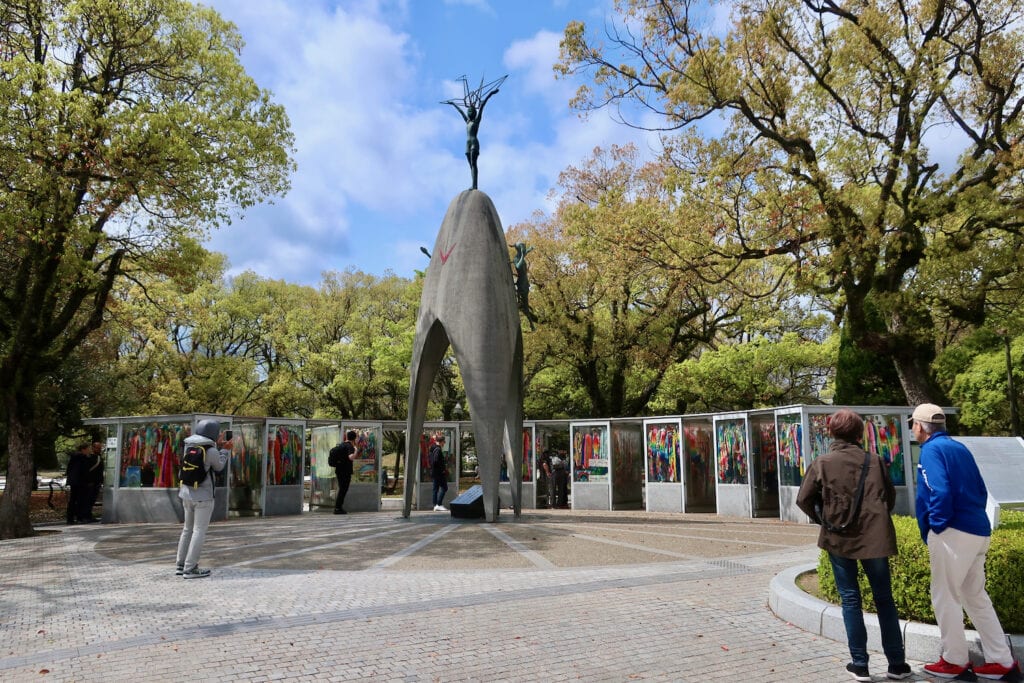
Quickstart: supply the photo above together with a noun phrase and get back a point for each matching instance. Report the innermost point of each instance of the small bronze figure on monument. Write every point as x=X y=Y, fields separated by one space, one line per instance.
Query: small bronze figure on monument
x=471 y=107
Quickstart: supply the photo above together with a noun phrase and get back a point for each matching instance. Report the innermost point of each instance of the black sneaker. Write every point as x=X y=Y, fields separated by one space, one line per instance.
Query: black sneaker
x=195 y=573
x=897 y=672
x=179 y=570
x=340 y=512
x=859 y=672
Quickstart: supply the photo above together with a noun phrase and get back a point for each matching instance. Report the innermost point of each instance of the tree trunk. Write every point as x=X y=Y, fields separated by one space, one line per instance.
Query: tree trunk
x=915 y=380
x=14 y=504
x=912 y=346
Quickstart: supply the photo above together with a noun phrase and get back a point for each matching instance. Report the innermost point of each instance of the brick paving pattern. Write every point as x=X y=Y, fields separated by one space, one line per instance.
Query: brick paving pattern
x=550 y=597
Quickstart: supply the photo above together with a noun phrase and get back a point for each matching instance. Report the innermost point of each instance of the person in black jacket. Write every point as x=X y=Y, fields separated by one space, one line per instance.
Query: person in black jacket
x=439 y=473
x=342 y=456
x=93 y=482
x=76 y=483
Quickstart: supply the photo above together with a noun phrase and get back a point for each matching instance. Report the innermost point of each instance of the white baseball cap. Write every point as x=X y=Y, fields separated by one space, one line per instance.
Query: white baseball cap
x=929 y=412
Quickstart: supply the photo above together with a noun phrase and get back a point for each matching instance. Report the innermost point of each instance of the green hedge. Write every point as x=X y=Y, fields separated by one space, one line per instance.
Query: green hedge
x=911 y=576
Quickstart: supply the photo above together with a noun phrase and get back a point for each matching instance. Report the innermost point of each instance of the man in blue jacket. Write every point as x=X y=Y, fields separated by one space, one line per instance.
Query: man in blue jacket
x=951 y=500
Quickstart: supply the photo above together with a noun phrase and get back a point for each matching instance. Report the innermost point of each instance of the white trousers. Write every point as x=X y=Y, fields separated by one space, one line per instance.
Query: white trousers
x=197 y=519
x=958 y=584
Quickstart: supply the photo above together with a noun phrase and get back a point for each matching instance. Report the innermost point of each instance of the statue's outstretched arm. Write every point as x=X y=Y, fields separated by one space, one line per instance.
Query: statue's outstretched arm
x=480 y=110
x=458 y=108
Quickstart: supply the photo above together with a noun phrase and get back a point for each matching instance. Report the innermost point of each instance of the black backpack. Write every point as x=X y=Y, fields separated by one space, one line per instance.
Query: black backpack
x=334 y=457
x=193 y=466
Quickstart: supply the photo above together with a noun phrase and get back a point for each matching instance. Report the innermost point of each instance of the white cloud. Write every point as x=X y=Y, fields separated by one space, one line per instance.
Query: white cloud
x=378 y=157
x=533 y=60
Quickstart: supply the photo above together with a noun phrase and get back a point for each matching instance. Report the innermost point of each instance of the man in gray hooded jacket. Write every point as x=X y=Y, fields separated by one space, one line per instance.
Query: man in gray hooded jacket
x=198 y=501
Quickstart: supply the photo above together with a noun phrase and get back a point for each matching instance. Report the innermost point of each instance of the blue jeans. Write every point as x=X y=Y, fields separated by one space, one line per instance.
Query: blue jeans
x=440 y=489
x=877 y=571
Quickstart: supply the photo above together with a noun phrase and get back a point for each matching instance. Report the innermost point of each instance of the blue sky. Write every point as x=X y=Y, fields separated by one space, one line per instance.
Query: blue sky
x=379 y=158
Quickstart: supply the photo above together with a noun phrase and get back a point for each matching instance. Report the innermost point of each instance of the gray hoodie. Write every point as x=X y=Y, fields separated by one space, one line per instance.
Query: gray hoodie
x=215 y=460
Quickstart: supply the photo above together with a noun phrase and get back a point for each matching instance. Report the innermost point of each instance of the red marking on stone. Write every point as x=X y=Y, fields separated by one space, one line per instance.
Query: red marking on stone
x=444 y=255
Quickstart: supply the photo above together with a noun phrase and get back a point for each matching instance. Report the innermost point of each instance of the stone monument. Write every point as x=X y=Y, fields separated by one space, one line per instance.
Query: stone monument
x=469 y=303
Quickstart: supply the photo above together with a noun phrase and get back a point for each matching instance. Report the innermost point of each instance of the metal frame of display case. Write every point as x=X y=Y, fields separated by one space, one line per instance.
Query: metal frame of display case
x=616 y=481
x=323 y=436
x=247 y=479
x=364 y=492
x=792 y=448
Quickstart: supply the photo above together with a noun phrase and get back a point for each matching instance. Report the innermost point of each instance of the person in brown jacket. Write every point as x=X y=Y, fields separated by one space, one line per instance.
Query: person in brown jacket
x=848 y=492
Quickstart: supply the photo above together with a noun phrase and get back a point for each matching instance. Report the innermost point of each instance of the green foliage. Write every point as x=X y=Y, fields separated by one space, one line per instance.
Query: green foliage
x=828 y=154
x=865 y=378
x=250 y=345
x=755 y=374
x=611 y=321
x=128 y=128
x=980 y=386
x=911 y=575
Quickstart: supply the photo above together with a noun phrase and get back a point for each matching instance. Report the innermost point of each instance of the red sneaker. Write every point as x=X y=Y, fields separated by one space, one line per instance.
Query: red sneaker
x=944 y=669
x=998 y=672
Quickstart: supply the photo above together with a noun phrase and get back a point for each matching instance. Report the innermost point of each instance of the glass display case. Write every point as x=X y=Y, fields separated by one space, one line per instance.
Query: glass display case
x=663 y=441
x=764 y=464
x=322 y=479
x=364 y=494
x=285 y=465
x=699 y=490
x=452 y=456
x=626 y=454
x=151 y=452
x=590 y=466
x=803 y=436
x=142 y=458
x=732 y=465
x=245 y=480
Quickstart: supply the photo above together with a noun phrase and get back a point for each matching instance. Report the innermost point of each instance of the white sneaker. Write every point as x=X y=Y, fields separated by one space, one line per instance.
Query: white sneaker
x=438 y=508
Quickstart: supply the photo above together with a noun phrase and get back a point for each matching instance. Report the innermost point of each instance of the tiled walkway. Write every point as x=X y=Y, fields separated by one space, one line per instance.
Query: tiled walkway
x=552 y=596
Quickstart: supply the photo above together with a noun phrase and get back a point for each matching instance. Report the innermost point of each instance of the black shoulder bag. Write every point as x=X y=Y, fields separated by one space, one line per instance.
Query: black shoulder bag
x=856 y=509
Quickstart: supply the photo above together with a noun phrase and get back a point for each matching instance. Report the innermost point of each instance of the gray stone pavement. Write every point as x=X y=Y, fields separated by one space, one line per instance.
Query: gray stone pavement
x=554 y=595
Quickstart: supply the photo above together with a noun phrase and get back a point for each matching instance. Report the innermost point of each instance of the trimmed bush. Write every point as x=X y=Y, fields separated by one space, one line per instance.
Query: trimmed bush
x=911 y=575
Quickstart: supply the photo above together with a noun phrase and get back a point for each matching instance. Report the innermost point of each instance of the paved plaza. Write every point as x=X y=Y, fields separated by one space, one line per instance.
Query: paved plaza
x=552 y=596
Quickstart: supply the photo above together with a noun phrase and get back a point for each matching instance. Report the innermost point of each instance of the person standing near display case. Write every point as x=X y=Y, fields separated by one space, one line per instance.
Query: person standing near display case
x=75 y=481
x=341 y=457
x=848 y=492
x=94 y=480
x=560 y=477
x=197 y=500
x=438 y=473
x=547 y=477
x=951 y=515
